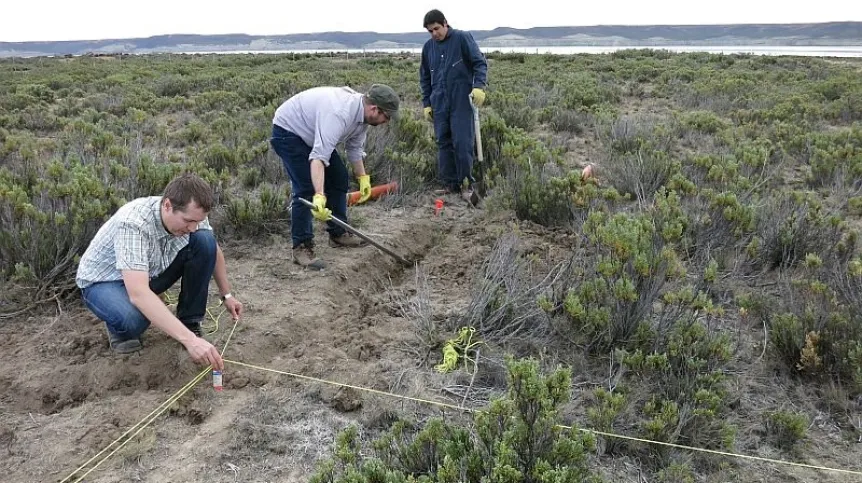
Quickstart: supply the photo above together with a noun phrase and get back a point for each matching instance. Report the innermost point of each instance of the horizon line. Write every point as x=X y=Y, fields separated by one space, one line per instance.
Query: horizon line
x=422 y=31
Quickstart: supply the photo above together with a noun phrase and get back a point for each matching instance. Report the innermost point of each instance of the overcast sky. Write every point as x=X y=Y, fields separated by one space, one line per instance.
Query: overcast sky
x=27 y=20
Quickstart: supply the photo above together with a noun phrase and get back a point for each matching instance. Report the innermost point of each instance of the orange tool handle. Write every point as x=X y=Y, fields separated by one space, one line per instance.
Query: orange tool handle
x=376 y=192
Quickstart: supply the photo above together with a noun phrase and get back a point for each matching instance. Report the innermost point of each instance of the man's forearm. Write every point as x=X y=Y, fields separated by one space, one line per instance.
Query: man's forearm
x=158 y=314
x=359 y=168
x=317 y=175
x=220 y=273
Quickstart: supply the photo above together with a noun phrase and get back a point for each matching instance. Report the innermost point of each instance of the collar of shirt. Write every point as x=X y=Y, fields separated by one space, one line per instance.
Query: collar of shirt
x=359 y=117
x=160 y=229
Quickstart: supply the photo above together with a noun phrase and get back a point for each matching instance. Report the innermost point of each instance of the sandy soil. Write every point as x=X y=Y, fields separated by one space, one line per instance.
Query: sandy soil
x=67 y=397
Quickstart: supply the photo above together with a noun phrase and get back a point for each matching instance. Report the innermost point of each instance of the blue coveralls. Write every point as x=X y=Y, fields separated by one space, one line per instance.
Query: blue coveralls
x=450 y=69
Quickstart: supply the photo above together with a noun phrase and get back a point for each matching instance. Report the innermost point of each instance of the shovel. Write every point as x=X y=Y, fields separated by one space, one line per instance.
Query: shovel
x=480 y=156
x=365 y=237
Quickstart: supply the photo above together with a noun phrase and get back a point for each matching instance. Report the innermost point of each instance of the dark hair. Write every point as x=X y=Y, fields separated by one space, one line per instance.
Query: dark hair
x=434 y=16
x=186 y=188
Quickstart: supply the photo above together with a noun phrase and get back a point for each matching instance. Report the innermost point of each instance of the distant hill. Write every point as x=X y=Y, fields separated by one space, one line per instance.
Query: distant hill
x=817 y=34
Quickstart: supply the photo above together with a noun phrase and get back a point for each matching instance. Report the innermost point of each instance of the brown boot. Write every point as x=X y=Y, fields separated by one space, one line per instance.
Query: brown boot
x=303 y=255
x=346 y=239
x=121 y=346
x=470 y=196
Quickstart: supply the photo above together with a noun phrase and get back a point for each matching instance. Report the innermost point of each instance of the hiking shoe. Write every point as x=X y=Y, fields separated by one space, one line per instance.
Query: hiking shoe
x=448 y=189
x=470 y=196
x=194 y=326
x=346 y=239
x=121 y=346
x=303 y=255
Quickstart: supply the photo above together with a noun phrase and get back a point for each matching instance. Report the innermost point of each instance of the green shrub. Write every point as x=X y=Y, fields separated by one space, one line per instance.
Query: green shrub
x=250 y=176
x=704 y=121
x=791 y=226
x=639 y=159
x=514 y=110
x=18 y=102
x=172 y=85
x=854 y=205
x=784 y=428
x=636 y=134
x=620 y=282
x=220 y=158
x=688 y=398
x=404 y=151
x=835 y=155
x=565 y=120
x=819 y=329
x=251 y=215
x=583 y=91
x=517 y=438
x=703 y=224
x=47 y=222
x=676 y=473
x=604 y=415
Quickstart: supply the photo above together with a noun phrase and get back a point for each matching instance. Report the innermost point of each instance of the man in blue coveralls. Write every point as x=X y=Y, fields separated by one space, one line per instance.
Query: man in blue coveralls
x=452 y=71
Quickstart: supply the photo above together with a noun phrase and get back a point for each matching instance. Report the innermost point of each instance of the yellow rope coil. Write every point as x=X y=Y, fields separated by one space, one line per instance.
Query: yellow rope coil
x=456 y=348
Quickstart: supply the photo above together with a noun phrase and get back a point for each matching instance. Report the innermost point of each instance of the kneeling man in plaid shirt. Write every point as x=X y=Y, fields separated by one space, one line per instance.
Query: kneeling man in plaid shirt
x=140 y=252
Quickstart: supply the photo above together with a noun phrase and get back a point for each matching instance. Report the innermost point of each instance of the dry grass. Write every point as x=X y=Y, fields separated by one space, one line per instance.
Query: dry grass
x=415 y=306
x=277 y=431
x=504 y=308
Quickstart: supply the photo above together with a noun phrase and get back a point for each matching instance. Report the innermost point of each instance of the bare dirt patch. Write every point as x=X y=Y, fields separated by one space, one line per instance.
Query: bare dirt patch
x=70 y=396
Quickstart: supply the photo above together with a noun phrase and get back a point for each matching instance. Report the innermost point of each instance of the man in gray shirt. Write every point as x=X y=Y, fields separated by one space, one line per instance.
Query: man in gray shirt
x=140 y=252
x=305 y=132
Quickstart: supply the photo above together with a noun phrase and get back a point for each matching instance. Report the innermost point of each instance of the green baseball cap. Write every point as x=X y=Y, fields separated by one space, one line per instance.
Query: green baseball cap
x=385 y=98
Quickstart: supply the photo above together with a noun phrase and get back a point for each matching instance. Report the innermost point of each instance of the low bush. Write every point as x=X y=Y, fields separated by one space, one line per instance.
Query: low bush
x=253 y=214
x=517 y=438
x=784 y=428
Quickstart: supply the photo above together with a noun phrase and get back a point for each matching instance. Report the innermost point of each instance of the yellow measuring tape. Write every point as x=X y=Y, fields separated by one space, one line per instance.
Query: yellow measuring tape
x=600 y=433
x=206 y=327
x=140 y=427
x=148 y=419
x=163 y=407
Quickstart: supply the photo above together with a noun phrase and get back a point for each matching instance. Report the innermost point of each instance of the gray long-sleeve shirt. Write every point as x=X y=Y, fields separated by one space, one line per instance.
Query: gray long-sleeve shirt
x=323 y=117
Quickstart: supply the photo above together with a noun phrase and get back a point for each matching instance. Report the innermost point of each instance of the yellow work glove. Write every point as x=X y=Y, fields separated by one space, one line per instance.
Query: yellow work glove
x=478 y=96
x=320 y=211
x=364 y=188
x=429 y=114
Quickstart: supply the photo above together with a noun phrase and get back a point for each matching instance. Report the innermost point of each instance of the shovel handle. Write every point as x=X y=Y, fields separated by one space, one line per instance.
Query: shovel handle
x=478 y=128
x=358 y=233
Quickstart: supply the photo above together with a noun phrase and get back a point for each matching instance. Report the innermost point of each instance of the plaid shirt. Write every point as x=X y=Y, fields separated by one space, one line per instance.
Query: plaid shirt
x=134 y=238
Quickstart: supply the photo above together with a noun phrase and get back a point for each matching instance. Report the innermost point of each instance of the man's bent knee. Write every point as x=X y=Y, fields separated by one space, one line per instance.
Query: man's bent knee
x=203 y=243
x=110 y=302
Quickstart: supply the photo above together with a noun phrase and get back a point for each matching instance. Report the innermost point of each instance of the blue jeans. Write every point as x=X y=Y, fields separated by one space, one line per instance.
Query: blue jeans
x=294 y=155
x=195 y=264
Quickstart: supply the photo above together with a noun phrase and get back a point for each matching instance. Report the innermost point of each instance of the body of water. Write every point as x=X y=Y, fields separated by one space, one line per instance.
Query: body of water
x=807 y=51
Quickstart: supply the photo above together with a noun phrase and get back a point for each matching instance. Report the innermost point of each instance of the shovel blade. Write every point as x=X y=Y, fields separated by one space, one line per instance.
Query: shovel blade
x=365 y=237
